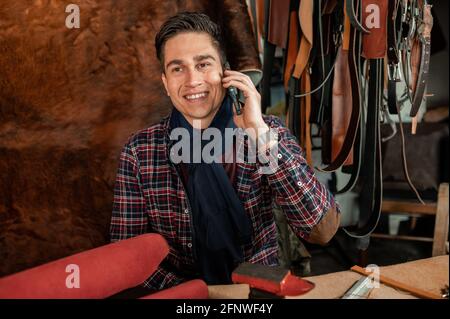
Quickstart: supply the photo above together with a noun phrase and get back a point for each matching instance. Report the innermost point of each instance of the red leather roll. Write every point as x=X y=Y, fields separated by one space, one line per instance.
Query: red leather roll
x=193 y=289
x=97 y=273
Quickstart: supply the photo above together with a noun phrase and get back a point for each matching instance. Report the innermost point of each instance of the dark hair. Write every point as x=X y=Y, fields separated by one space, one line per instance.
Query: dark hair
x=188 y=22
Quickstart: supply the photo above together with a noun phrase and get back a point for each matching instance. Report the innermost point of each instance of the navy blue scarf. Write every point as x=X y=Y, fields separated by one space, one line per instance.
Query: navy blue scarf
x=220 y=222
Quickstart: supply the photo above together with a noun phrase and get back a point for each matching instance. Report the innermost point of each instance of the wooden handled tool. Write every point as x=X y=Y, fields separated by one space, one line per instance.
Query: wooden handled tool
x=396 y=284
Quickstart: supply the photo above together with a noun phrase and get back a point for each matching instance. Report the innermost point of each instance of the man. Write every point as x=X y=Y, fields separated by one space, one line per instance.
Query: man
x=214 y=215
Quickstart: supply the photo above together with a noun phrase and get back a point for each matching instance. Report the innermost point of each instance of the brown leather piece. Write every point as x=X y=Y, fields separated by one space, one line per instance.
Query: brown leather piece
x=260 y=13
x=341 y=105
x=375 y=43
x=69 y=100
x=416 y=55
x=416 y=47
x=305 y=15
x=322 y=233
x=292 y=48
x=346 y=34
x=242 y=51
x=278 y=22
x=329 y=6
x=306 y=113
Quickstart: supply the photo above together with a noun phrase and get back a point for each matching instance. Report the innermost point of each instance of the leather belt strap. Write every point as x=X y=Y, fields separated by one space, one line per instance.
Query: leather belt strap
x=425 y=39
x=262 y=7
x=350 y=12
x=370 y=176
x=305 y=15
x=346 y=35
x=342 y=105
x=306 y=105
x=254 y=20
x=346 y=94
x=292 y=46
x=268 y=59
x=392 y=57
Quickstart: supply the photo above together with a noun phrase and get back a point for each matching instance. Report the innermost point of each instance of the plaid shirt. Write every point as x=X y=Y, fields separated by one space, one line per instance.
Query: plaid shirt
x=149 y=196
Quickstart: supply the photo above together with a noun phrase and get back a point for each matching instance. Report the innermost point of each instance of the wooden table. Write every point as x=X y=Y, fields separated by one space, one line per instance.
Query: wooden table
x=429 y=274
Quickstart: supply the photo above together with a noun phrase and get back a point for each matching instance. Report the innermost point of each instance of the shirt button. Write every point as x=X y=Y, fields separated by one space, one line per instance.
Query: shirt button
x=189 y=245
x=299 y=184
x=186 y=211
x=280 y=156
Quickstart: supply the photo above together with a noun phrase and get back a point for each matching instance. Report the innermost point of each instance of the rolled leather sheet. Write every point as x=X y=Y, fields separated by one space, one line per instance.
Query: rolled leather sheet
x=97 y=273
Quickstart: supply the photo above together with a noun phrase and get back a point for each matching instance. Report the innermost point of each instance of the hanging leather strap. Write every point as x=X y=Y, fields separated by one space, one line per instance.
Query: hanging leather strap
x=392 y=56
x=425 y=41
x=350 y=12
x=374 y=15
x=344 y=128
x=370 y=176
x=306 y=101
x=278 y=23
x=305 y=15
x=292 y=46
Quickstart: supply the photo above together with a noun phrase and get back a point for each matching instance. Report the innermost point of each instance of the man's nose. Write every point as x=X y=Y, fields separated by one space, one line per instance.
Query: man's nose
x=194 y=78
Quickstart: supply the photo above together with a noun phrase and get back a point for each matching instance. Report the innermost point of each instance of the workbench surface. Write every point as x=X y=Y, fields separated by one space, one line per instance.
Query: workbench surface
x=430 y=274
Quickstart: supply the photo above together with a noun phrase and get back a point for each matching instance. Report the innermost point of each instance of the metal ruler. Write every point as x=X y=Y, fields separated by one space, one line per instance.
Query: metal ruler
x=360 y=289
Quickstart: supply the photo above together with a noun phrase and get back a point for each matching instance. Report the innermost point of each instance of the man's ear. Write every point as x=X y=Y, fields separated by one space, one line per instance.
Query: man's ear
x=163 y=78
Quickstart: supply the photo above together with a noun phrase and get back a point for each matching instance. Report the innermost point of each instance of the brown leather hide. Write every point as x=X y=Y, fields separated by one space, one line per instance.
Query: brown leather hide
x=375 y=43
x=342 y=104
x=69 y=98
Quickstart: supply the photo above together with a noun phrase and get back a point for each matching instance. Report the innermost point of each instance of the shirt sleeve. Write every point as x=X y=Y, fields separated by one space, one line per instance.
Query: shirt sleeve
x=129 y=208
x=162 y=278
x=129 y=214
x=304 y=200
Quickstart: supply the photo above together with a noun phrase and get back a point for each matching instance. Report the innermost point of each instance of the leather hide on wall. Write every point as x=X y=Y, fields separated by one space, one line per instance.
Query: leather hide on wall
x=69 y=99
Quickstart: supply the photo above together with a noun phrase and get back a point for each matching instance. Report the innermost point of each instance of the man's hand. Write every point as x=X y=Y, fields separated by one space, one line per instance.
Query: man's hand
x=251 y=117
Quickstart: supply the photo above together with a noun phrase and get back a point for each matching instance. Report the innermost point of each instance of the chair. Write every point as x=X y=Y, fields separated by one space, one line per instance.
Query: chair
x=439 y=209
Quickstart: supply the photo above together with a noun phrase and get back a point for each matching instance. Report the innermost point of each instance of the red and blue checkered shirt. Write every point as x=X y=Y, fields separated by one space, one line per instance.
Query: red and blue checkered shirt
x=149 y=196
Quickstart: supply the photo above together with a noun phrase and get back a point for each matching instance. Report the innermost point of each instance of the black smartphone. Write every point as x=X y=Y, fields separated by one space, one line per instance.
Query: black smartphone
x=233 y=93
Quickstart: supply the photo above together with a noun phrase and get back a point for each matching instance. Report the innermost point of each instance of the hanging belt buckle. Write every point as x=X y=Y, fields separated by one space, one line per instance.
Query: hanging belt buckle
x=394 y=72
x=405 y=13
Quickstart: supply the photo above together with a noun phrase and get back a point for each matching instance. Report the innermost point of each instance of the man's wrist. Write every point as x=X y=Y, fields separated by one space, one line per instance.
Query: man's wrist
x=257 y=130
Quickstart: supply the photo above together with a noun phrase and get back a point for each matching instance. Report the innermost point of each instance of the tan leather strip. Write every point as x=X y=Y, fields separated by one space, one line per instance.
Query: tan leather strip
x=302 y=58
x=326 y=228
x=346 y=34
x=292 y=48
x=305 y=14
x=416 y=55
x=308 y=144
x=342 y=103
x=260 y=16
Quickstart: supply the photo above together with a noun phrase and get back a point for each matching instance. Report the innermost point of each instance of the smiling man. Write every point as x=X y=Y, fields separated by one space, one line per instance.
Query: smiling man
x=213 y=215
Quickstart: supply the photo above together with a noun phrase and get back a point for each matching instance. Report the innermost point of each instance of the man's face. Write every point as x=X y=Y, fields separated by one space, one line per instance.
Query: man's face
x=193 y=76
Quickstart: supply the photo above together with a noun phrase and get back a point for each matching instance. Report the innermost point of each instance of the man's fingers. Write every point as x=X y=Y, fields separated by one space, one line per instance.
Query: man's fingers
x=233 y=75
x=241 y=86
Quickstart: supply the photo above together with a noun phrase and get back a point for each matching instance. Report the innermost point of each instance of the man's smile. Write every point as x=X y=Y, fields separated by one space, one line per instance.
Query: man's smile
x=196 y=97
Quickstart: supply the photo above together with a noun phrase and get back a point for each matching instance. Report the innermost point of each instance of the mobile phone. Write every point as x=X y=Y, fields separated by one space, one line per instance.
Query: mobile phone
x=233 y=93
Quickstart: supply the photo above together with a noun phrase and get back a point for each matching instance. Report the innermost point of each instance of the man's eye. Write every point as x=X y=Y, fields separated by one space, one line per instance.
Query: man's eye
x=177 y=69
x=203 y=65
